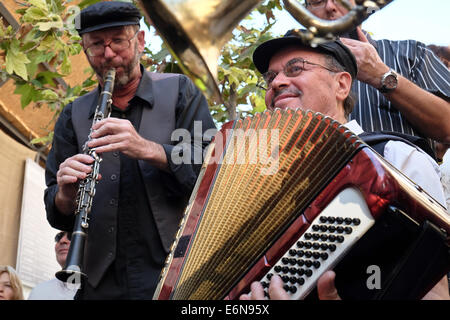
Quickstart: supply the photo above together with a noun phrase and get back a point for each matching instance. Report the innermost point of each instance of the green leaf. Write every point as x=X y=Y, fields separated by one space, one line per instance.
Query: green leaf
x=66 y=66
x=26 y=91
x=34 y=14
x=48 y=94
x=41 y=4
x=16 y=63
x=46 y=77
x=45 y=26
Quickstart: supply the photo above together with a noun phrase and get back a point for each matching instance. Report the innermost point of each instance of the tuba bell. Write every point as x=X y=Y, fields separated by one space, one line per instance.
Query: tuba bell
x=195 y=32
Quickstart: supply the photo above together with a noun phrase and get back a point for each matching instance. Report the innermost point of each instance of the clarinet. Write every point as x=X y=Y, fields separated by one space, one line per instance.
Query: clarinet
x=72 y=271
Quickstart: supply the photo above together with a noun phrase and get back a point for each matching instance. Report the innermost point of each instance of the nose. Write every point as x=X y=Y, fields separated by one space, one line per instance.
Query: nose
x=330 y=5
x=109 y=53
x=280 y=81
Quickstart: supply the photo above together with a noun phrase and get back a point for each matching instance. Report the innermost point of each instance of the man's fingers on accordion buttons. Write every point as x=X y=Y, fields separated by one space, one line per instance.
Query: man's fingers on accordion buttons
x=257 y=291
x=326 y=288
x=276 y=291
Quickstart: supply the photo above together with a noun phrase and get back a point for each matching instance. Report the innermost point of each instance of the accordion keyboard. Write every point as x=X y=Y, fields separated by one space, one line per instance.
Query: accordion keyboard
x=332 y=233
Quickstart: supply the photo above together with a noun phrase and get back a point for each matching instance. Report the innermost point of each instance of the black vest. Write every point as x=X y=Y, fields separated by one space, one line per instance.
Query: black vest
x=157 y=124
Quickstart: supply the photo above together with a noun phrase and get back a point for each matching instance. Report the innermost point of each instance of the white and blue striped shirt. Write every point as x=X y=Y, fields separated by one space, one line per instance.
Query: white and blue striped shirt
x=414 y=61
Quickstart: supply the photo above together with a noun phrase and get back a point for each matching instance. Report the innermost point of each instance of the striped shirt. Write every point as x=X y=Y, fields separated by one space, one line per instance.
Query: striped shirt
x=414 y=61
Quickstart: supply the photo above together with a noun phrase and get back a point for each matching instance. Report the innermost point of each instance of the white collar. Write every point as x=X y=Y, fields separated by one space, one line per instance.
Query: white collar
x=354 y=127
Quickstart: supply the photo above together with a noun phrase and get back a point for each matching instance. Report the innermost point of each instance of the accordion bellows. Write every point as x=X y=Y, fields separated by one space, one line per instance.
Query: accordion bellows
x=271 y=167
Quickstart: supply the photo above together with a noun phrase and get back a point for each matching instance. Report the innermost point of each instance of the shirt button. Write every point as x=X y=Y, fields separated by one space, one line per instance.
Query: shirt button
x=111 y=230
x=113 y=202
x=116 y=153
x=113 y=177
x=110 y=255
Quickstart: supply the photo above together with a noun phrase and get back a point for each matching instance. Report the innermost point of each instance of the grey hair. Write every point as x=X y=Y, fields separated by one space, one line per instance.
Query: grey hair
x=349 y=102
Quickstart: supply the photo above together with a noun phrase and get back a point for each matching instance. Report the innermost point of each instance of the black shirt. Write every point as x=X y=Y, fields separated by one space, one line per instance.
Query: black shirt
x=140 y=254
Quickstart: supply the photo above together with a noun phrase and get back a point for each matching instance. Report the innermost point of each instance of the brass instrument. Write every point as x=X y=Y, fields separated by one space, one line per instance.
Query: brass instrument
x=320 y=30
x=72 y=271
x=196 y=30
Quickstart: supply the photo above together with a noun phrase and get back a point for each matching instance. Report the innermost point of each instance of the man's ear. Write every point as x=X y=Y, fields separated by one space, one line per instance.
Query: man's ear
x=344 y=85
x=141 y=40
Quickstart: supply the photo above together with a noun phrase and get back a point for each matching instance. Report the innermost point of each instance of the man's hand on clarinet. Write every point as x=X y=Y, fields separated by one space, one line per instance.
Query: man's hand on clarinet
x=70 y=173
x=113 y=134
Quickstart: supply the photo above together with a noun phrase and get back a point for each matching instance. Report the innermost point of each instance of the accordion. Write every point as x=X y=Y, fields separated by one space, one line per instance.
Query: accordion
x=295 y=193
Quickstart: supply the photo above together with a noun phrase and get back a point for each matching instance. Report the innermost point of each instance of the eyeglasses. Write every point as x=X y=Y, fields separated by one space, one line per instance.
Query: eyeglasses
x=61 y=234
x=317 y=4
x=292 y=69
x=116 y=45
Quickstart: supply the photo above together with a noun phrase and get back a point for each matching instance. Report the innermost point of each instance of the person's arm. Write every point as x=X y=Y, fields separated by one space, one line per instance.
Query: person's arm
x=64 y=146
x=194 y=119
x=427 y=112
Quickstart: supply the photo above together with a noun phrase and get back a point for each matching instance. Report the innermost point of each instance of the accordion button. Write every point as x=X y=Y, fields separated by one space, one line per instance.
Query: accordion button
x=301 y=271
x=286 y=287
x=300 y=253
x=340 y=239
x=331 y=219
x=285 y=260
x=332 y=238
x=348 y=220
x=269 y=276
x=292 y=270
x=323 y=228
x=308 y=263
x=264 y=284
x=308 y=245
x=316 y=255
x=292 y=252
x=324 y=246
x=316 y=245
x=285 y=279
x=301 y=262
x=308 y=273
x=339 y=229
x=324 y=255
x=293 y=289
x=348 y=230
x=301 y=281
x=316 y=264
x=332 y=247
x=307 y=236
x=331 y=229
x=308 y=254
x=300 y=244
x=323 y=219
x=324 y=237
x=284 y=269
x=315 y=227
x=339 y=220
x=277 y=269
x=356 y=221
x=316 y=236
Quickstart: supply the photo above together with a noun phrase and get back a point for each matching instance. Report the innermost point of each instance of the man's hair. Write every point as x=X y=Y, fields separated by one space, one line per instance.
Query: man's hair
x=349 y=102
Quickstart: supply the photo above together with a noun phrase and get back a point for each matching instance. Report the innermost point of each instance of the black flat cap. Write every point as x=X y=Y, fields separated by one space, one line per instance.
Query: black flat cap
x=107 y=14
x=265 y=51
